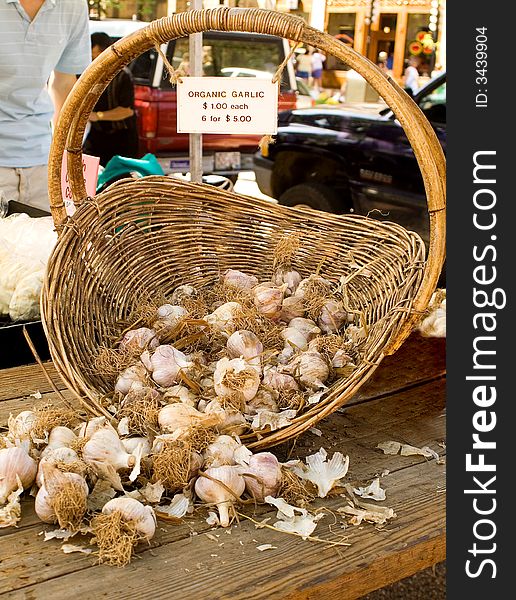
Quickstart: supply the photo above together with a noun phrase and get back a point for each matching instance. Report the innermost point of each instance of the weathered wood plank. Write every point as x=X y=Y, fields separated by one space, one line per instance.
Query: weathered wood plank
x=19 y=382
x=196 y=567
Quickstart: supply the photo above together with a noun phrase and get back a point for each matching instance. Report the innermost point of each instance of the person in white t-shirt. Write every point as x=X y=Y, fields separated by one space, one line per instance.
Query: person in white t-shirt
x=411 y=76
x=318 y=59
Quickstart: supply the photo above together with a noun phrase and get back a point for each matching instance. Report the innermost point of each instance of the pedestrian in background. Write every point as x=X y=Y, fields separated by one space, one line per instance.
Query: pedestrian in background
x=318 y=59
x=304 y=65
x=113 y=119
x=43 y=46
x=411 y=76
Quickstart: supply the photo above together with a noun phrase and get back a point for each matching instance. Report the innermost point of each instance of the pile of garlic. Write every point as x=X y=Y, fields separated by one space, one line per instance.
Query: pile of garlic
x=93 y=479
x=242 y=357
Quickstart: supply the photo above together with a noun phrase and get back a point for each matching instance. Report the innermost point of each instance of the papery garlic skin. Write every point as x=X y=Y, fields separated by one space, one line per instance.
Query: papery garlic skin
x=262 y=476
x=135 y=375
x=131 y=444
x=245 y=344
x=21 y=425
x=268 y=299
x=306 y=327
x=264 y=400
x=239 y=280
x=133 y=511
x=313 y=370
x=167 y=365
x=236 y=376
x=139 y=339
x=292 y=307
x=211 y=492
x=15 y=463
x=322 y=473
x=333 y=316
x=222 y=318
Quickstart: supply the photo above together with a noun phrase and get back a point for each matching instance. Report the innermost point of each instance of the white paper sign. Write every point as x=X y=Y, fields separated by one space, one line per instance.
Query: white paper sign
x=227 y=105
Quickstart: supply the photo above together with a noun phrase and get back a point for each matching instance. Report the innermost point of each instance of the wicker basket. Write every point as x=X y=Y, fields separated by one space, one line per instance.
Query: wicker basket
x=152 y=234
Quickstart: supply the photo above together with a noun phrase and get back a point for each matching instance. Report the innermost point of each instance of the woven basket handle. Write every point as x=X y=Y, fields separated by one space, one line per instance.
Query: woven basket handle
x=79 y=104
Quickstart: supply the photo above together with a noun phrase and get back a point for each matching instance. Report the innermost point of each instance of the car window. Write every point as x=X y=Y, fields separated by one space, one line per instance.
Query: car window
x=221 y=56
x=433 y=104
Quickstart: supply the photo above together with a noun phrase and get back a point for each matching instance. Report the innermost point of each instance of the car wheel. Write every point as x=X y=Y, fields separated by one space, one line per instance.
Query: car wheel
x=314 y=195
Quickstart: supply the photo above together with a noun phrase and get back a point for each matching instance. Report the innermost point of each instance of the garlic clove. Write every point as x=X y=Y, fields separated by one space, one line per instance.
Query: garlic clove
x=239 y=280
x=15 y=466
x=262 y=475
x=223 y=496
x=131 y=444
x=291 y=278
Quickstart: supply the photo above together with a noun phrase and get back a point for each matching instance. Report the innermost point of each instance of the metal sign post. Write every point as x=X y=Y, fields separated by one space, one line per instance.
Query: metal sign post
x=195 y=48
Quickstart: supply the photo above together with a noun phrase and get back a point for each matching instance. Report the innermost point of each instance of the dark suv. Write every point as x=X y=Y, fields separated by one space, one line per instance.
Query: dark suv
x=337 y=160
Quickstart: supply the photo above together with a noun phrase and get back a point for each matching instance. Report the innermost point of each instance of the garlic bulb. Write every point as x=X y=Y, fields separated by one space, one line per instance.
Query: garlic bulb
x=62 y=498
x=15 y=463
x=333 y=316
x=292 y=307
x=341 y=359
x=139 y=339
x=169 y=316
x=245 y=344
x=236 y=378
x=237 y=279
x=268 y=299
x=222 y=318
x=286 y=355
x=307 y=327
x=291 y=278
x=221 y=451
x=21 y=425
x=59 y=437
x=106 y=454
x=87 y=429
x=135 y=375
x=262 y=476
x=134 y=512
x=180 y=393
x=294 y=338
x=178 y=415
x=313 y=281
x=313 y=370
x=181 y=292
x=167 y=365
x=61 y=455
x=276 y=380
x=211 y=492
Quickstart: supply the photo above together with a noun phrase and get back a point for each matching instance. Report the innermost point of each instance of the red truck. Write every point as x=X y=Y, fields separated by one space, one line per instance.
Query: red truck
x=224 y=54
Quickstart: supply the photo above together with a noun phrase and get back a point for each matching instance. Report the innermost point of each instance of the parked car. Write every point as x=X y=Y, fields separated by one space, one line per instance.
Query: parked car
x=156 y=103
x=338 y=160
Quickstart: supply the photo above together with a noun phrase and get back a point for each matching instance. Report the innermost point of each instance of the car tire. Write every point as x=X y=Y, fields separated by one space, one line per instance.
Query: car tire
x=314 y=195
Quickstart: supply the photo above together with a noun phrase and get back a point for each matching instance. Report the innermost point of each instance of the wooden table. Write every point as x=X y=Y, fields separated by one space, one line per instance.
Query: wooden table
x=404 y=401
